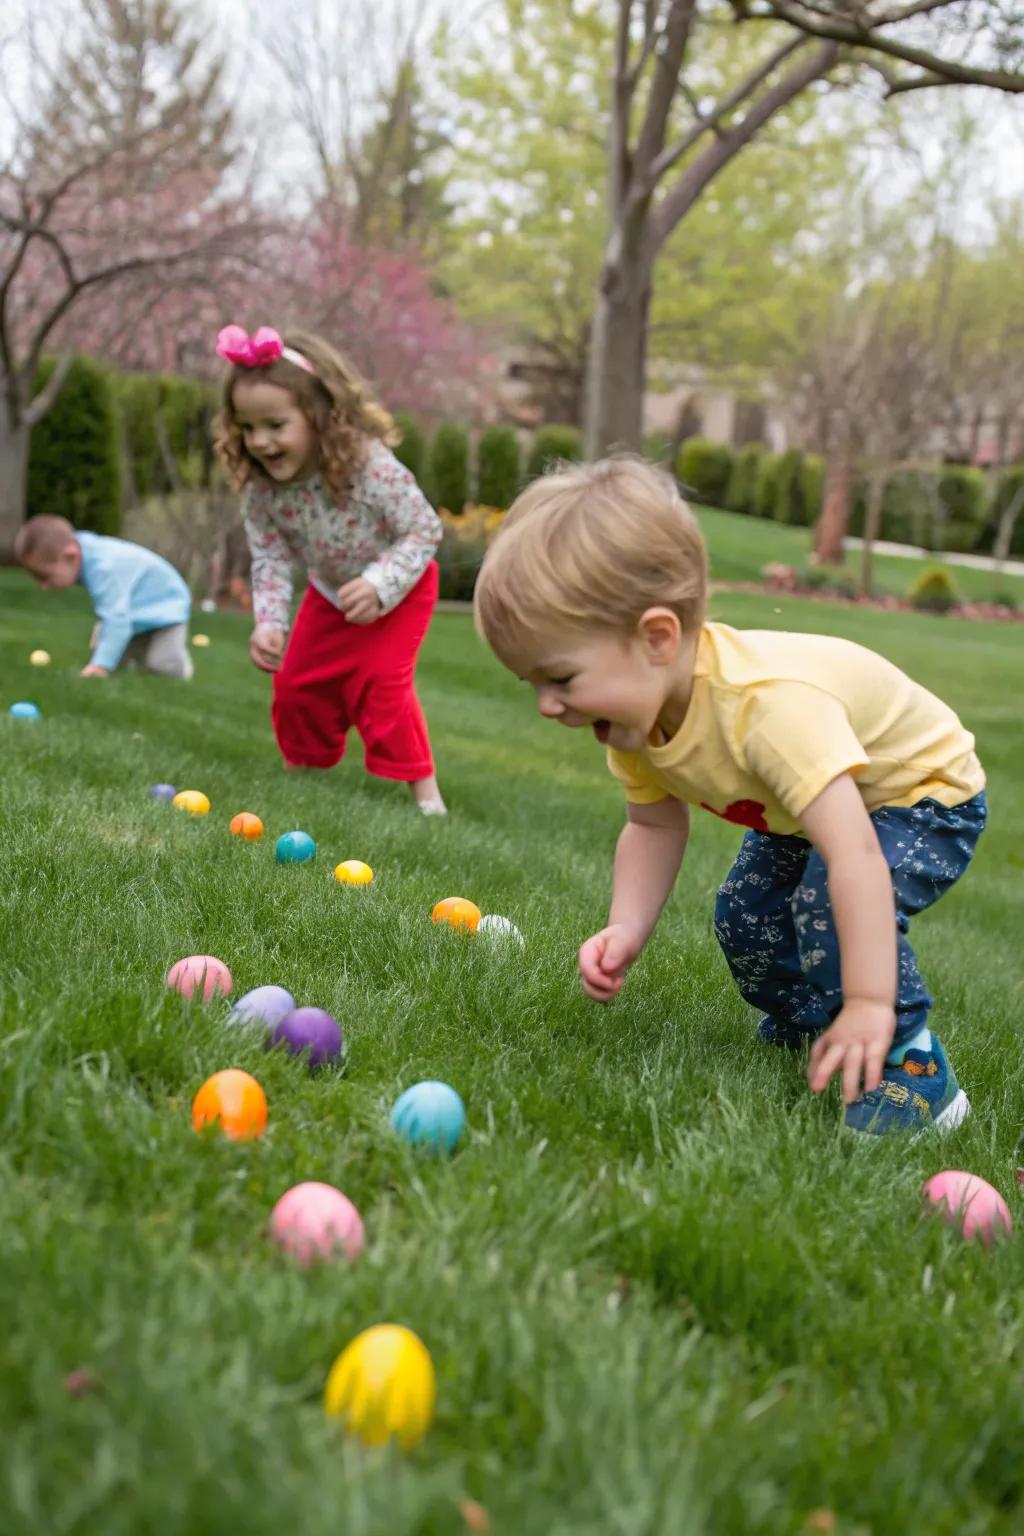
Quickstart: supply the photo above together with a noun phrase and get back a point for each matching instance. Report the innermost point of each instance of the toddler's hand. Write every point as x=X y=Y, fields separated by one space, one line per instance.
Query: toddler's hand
x=360 y=602
x=91 y=671
x=856 y=1042
x=604 y=960
x=266 y=647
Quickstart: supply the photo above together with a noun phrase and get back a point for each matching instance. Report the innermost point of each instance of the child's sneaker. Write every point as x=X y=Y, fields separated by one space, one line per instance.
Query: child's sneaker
x=921 y=1094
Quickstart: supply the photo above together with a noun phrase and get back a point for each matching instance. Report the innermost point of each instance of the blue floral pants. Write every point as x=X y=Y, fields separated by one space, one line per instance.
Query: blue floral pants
x=773 y=916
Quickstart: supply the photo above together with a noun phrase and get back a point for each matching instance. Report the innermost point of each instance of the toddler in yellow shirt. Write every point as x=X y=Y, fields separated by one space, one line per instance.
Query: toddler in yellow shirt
x=860 y=791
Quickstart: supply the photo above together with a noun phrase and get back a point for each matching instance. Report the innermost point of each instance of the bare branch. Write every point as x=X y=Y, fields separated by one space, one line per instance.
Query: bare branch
x=701 y=171
x=41 y=403
x=868 y=36
x=671 y=155
x=670 y=57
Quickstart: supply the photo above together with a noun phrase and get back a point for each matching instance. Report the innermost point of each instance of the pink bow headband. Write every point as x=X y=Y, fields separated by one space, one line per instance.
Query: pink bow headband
x=256 y=351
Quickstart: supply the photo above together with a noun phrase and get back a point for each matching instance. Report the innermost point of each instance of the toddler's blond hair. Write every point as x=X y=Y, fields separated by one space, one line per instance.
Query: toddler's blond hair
x=591 y=546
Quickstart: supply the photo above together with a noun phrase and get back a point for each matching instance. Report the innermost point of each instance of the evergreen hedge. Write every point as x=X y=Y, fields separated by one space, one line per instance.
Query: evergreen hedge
x=704 y=470
x=497 y=467
x=550 y=444
x=74 y=466
x=448 y=467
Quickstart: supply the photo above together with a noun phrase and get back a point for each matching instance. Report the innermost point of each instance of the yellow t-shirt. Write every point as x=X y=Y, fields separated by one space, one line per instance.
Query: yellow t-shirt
x=774 y=717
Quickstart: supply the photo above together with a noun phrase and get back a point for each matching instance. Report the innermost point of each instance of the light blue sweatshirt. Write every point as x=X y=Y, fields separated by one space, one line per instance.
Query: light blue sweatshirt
x=132 y=590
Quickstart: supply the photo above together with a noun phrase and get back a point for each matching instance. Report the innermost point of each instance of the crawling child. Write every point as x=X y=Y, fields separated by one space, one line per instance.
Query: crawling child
x=142 y=605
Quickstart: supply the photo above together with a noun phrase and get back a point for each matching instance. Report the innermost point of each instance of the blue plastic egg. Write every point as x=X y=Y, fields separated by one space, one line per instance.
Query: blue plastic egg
x=430 y=1115
x=294 y=848
x=23 y=710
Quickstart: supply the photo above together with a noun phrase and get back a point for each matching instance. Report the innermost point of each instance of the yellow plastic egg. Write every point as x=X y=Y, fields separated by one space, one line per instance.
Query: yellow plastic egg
x=353 y=872
x=382 y=1386
x=40 y=658
x=200 y=640
x=191 y=800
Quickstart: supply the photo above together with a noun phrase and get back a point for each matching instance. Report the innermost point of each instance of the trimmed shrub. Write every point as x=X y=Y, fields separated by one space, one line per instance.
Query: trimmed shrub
x=448 y=467
x=497 y=467
x=74 y=466
x=704 y=470
x=410 y=451
x=787 y=506
x=764 y=485
x=963 y=495
x=908 y=509
x=812 y=487
x=934 y=590
x=549 y=445
x=742 y=487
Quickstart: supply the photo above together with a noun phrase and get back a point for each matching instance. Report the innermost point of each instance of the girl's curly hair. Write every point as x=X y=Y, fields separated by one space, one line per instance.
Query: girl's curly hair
x=336 y=401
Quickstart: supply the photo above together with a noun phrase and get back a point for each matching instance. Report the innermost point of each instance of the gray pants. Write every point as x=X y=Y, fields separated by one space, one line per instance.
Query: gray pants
x=158 y=650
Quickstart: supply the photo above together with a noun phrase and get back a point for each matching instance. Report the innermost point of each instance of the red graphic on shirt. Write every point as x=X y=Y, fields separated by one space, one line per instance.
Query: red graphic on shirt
x=745 y=813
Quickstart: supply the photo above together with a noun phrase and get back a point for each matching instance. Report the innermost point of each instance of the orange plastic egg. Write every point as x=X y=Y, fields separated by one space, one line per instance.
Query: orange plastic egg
x=457 y=911
x=235 y=1102
x=246 y=825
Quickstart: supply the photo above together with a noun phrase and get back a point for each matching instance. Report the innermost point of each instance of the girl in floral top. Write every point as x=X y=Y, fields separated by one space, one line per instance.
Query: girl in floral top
x=299 y=432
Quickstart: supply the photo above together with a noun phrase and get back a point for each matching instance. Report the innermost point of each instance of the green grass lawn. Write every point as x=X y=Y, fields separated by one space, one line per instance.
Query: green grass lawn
x=664 y=1293
x=741 y=546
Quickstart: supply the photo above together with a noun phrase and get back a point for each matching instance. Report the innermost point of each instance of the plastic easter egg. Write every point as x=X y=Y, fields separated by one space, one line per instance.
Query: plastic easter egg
x=970 y=1203
x=40 y=658
x=246 y=825
x=353 y=872
x=316 y=1221
x=200 y=973
x=500 y=928
x=193 y=801
x=429 y=1114
x=457 y=911
x=294 y=848
x=202 y=641
x=382 y=1386
x=23 y=710
x=162 y=792
x=312 y=1030
x=235 y=1102
x=263 y=1005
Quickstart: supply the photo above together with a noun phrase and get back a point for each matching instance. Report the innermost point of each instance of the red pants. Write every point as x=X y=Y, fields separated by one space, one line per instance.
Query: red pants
x=336 y=674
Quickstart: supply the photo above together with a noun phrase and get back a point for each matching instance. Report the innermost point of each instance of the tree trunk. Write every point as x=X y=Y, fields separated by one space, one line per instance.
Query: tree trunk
x=1004 y=532
x=14 y=441
x=617 y=365
x=872 y=523
x=835 y=512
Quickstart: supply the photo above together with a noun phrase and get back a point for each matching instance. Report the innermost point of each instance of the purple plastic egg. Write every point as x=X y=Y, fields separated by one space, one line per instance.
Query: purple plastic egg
x=162 y=792
x=312 y=1030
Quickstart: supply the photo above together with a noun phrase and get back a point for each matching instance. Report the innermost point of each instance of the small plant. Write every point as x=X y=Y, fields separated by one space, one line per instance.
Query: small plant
x=1006 y=600
x=830 y=579
x=934 y=590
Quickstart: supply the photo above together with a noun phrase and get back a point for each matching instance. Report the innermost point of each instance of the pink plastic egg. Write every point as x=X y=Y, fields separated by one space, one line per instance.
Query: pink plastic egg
x=970 y=1203
x=195 y=971
x=316 y=1221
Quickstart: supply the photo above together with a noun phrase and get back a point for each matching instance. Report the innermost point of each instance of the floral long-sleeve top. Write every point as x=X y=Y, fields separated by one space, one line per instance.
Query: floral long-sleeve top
x=383 y=529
